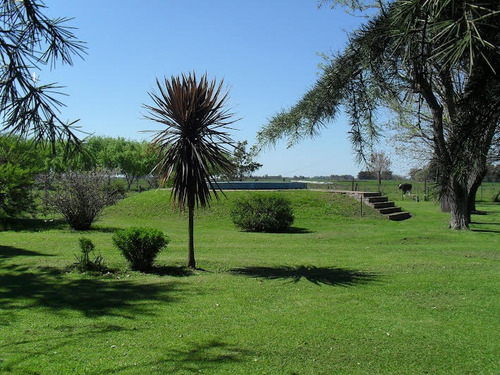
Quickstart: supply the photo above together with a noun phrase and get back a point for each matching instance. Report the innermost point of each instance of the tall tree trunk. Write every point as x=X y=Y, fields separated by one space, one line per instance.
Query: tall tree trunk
x=191 y=260
x=474 y=184
x=444 y=202
x=471 y=199
x=459 y=213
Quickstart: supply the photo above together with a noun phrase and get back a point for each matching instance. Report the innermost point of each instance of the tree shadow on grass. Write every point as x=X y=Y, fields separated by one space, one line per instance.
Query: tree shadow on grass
x=485 y=230
x=51 y=288
x=72 y=333
x=205 y=357
x=10 y=252
x=297 y=230
x=291 y=230
x=31 y=225
x=316 y=275
x=102 y=229
x=176 y=271
x=40 y=225
x=480 y=227
x=57 y=338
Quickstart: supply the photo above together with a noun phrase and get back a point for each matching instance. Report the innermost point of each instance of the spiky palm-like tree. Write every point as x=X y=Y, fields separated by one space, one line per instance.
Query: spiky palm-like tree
x=193 y=145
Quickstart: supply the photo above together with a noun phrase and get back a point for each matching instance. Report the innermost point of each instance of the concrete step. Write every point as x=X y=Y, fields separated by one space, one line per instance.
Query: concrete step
x=398 y=216
x=389 y=210
x=377 y=199
x=368 y=194
x=378 y=205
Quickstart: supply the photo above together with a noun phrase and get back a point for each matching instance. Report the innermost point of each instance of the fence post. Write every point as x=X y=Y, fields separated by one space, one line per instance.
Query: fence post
x=361 y=204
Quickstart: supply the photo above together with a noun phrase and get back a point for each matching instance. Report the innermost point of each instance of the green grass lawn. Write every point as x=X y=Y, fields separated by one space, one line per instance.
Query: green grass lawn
x=339 y=294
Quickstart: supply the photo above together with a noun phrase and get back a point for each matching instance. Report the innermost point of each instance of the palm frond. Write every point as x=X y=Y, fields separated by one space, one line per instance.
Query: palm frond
x=195 y=140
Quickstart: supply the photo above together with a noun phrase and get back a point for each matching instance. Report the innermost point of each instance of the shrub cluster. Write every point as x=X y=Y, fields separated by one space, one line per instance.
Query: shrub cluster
x=80 y=196
x=140 y=245
x=262 y=213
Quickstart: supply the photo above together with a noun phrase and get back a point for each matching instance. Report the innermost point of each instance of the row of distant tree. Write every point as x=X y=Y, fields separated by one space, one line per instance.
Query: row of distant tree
x=21 y=161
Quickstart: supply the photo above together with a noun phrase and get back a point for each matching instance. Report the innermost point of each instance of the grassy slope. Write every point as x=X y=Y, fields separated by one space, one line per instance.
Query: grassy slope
x=341 y=295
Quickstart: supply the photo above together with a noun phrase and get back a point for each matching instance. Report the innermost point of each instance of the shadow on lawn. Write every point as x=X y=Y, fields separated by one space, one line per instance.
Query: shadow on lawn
x=298 y=230
x=316 y=275
x=54 y=339
x=485 y=230
x=176 y=271
x=64 y=335
x=26 y=288
x=10 y=252
x=196 y=357
x=31 y=225
x=479 y=227
x=40 y=225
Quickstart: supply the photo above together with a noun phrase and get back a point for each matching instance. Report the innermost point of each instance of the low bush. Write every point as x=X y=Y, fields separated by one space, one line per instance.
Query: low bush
x=140 y=245
x=84 y=263
x=262 y=213
x=80 y=196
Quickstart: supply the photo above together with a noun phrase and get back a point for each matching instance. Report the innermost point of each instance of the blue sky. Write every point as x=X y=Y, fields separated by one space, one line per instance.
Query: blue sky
x=267 y=52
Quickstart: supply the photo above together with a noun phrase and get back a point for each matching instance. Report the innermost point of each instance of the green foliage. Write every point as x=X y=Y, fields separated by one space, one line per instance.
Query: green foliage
x=366 y=175
x=84 y=263
x=263 y=213
x=131 y=158
x=140 y=245
x=243 y=163
x=20 y=161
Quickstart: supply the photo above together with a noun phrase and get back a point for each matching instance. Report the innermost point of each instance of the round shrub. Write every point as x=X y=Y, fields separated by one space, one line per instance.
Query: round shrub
x=140 y=245
x=262 y=213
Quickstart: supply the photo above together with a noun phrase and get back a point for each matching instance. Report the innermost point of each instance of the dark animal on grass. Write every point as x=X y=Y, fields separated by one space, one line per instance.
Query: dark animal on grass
x=406 y=188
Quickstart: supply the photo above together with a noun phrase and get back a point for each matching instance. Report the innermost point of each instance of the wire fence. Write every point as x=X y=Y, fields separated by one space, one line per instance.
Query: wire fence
x=424 y=190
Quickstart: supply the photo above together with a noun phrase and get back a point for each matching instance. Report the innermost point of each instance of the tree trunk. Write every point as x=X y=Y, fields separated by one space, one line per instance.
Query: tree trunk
x=459 y=213
x=191 y=261
x=444 y=202
x=471 y=201
x=474 y=185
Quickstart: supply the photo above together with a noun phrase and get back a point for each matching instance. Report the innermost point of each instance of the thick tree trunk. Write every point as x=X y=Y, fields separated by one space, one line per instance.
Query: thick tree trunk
x=459 y=213
x=191 y=261
x=444 y=202
x=471 y=201
x=474 y=185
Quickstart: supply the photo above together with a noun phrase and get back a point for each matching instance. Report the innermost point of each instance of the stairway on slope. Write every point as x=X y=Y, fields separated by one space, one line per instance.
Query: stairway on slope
x=381 y=204
x=385 y=207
